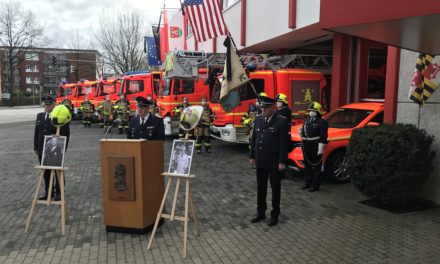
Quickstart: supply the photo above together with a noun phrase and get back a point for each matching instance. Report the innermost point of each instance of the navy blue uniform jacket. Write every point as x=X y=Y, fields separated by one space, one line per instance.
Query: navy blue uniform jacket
x=153 y=129
x=269 y=142
x=43 y=128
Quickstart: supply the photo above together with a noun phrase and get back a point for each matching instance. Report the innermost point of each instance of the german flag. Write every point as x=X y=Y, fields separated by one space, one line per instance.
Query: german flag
x=423 y=83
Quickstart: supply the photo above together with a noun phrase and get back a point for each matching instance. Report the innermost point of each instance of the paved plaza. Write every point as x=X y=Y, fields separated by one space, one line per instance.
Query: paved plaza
x=329 y=226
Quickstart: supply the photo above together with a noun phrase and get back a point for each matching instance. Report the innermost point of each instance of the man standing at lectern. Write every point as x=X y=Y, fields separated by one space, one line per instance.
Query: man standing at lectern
x=145 y=125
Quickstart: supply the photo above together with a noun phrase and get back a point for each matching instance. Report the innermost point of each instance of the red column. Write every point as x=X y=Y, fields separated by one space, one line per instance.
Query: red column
x=292 y=14
x=243 y=23
x=214 y=45
x=391 y=84
x=340 y=70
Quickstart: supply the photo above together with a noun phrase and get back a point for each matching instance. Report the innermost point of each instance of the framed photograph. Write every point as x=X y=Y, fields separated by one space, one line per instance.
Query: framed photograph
x=181 y=156
x=53 y=151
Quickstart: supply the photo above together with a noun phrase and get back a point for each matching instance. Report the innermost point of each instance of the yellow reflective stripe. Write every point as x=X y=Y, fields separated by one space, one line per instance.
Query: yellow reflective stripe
x=236 y=114
x=339 y=138
x=240 y=126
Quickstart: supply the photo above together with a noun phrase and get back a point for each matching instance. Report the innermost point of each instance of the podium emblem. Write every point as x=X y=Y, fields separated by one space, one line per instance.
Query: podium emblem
x=120 y=181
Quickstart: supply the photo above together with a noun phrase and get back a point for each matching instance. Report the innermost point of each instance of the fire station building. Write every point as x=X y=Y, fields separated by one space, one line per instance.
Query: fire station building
x=367 y=49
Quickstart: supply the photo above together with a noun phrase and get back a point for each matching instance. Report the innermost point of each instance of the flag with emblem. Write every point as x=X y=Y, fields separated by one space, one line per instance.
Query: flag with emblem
x=206 y=18
x=425 y=80
x=153 y=58
x=234 y=76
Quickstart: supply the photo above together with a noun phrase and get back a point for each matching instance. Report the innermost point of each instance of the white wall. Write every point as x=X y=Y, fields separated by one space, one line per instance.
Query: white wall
x=307 y=12
x=427 y=117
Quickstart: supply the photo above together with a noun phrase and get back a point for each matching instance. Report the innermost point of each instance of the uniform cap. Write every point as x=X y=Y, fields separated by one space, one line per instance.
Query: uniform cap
x=266 y=101
x=142 y=102
x=47 y=100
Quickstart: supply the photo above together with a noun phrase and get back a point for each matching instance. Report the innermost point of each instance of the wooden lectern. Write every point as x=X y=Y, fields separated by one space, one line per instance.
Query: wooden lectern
x=132 y=185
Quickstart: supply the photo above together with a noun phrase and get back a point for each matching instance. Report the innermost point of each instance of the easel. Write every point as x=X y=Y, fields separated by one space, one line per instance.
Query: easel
x=188 y=204
x=59 y=173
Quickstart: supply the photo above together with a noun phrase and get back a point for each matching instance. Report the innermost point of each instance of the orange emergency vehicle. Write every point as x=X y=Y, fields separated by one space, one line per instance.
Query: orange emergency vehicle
x=83 y=89
x=65 y=89
x=300 y=86
x=108 y=86
x=342 y=122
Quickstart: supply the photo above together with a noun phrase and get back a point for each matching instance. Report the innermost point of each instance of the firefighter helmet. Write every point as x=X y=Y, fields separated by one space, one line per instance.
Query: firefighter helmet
x=60 y=116
x=281 y=98
x=315 y=106
x=262 y=94
x=190 y=117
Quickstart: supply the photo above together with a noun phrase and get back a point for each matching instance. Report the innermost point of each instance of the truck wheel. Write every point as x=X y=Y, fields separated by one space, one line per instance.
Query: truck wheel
x=335 y=167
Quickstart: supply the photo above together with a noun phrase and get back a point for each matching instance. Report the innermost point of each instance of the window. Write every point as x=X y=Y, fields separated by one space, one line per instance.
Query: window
x=183 y=86
x=31 y=56
x=156 y=83
x=31 y=68
x=35 y=80
x=107 y=89
x=165 y=90
x=228 y=3
x=347 y=117
x=247 y=92
x=134 y=86
x=378 y=118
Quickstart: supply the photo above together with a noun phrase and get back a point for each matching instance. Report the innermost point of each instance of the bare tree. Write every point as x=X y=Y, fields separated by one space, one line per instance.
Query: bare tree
x=19 y=30
x=120 y=38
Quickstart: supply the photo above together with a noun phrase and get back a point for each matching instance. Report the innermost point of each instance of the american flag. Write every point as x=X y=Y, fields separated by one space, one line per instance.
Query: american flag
x=206 y=19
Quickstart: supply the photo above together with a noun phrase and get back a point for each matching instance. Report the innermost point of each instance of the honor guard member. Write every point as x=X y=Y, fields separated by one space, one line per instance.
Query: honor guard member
x=202 y=129
x=145 y=125
x=178 y=111
x=44 y=127
x=122 y=109
x=284 y=110
x=314 y=140
x=154 y=109
x=105 y=110
x=87 y=109
x=268 y=151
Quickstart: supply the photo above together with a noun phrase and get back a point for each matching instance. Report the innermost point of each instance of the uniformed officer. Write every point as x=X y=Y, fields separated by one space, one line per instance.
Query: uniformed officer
x=269 y=153
x=43 y=127
x=122 y=109
x=284 y=110
x=145 y=125
x=178 y=111
x=87 y=109
x=202 y=129
x=314 y=140
x=105 y=112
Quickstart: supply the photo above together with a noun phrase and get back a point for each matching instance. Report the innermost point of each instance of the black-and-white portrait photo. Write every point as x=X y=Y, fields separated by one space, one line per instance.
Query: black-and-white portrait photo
x=53 y=154
x=181 y=156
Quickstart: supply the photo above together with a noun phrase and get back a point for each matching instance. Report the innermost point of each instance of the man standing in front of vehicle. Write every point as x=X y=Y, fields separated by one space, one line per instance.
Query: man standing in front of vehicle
x=314 y=140
x=269 y=153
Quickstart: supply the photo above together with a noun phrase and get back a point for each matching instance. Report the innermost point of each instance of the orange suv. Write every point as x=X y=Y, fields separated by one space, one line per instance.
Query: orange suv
x=342 y=122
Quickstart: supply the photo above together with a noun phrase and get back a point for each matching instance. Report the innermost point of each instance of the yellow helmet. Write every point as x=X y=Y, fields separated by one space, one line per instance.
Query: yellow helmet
x=281 y=98
x=315 y=106
x=60 y=116
x=262 y=94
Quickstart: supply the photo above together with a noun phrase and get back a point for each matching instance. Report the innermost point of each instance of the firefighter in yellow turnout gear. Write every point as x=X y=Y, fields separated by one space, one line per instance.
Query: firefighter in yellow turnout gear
x=122 y=109
x=178 y=111
x=253 y=111
x=87 y=109
x=202 y=129
x=66 y=101
x=105 y=110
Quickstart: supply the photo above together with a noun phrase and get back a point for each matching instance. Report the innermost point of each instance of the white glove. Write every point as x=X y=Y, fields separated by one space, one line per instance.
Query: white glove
x=321 y=148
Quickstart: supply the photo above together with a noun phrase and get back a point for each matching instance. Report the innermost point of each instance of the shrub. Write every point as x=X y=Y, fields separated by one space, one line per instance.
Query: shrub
x=388 y=163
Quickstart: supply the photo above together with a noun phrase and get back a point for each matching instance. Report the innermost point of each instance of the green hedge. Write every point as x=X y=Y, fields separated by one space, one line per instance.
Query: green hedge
x=389 y=163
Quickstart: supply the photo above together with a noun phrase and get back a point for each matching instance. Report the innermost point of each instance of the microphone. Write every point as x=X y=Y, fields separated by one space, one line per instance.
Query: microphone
x=109 y=129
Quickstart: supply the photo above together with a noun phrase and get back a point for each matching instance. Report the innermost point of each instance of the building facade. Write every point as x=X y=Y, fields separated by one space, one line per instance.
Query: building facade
x=41 y=70
x=371 y=48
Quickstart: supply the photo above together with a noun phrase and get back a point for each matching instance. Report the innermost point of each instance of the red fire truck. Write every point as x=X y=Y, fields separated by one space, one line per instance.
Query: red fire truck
x=300 y=86
x=140 y=84
x=83 y=89
x=65 y=89
x=108 y=86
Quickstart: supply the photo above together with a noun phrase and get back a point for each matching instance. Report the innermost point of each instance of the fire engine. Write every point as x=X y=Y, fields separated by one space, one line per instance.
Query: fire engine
x=83 y=89
x=136 y=84
x=184 y=76
x=271 y=76
x=65 y=89
x=108 y=86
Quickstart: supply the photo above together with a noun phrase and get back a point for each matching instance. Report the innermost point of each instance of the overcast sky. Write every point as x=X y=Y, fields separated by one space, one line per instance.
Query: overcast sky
x=64 y=17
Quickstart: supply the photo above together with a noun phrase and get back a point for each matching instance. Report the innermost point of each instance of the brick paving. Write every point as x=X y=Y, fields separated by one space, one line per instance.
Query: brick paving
x=330 y=226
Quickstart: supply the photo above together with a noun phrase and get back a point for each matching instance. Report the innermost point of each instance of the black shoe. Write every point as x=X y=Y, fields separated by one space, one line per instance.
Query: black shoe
x=44 y=197
x=258 y=218
x=57 y=197
x=314 y=189
x=208 y=151
x=305 y=187
x=272 y=221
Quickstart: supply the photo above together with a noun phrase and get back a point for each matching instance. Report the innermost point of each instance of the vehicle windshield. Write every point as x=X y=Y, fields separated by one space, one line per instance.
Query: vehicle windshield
x=166 y=88
x=84 y=90
x=107 y=89
x=347 y=118
x=65 y=91
x=246 y=91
